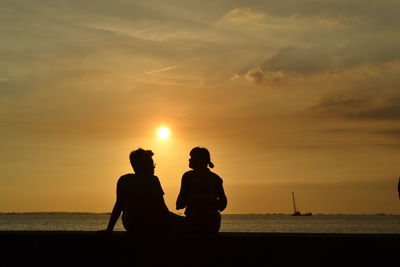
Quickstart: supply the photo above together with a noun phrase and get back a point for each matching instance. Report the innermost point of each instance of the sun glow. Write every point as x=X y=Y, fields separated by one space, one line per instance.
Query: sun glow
x=163 y=133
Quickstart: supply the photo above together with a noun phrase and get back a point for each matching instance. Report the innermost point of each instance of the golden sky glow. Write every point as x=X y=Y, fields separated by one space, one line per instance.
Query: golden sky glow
x=290 y=95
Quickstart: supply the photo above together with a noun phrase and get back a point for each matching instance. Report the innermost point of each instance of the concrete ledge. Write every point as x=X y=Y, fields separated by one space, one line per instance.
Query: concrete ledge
x=33 y=248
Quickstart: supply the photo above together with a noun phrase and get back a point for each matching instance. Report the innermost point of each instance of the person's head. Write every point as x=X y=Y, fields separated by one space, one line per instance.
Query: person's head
x=200 y=158
x=142 y=161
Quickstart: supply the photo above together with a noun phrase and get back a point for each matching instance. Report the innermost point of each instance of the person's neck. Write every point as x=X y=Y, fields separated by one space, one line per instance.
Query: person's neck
x=144 y=173
x=203 y=169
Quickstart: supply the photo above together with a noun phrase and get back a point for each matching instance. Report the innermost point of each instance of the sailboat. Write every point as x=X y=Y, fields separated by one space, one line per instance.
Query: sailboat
x=296 y=211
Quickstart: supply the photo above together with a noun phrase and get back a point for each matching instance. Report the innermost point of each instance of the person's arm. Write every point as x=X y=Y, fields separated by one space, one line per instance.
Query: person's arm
x=160 y=193
x=116 y=211
x=182 y=197
x=163 y=205
x=222 y=200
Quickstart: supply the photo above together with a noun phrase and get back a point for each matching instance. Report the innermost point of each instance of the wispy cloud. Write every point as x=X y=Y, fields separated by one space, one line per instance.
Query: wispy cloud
x=390 y=132
x=161 y=70
x=379 y=108
x=260 y=77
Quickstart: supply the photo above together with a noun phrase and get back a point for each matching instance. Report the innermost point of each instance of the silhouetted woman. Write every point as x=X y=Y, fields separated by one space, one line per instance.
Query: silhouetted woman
x=202 y=194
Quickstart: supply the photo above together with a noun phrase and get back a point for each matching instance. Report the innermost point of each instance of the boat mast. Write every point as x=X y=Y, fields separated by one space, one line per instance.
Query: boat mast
x=294 y=203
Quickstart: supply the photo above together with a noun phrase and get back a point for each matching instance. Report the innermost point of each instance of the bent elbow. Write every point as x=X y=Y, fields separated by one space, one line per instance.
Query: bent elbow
x=222 y=203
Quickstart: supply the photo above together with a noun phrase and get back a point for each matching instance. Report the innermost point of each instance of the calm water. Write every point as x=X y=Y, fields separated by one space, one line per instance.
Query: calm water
x=230 y=223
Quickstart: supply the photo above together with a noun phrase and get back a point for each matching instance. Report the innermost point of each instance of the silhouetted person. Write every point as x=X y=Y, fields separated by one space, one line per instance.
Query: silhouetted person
x=140 y=197
x=202 y=194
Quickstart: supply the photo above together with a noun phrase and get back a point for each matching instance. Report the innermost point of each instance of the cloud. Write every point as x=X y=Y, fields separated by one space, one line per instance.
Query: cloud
x=336 y=103
x=380 y=108
x=303 y=41
x=331 y=57
x=390 y=132
x=243 y=15
x=300 y=60
x=82 y=49
x=381 y=14
x=387 y=111
x=258 y=76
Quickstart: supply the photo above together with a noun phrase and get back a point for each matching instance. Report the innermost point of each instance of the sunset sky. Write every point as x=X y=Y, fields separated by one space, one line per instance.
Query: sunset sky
x=289 y=95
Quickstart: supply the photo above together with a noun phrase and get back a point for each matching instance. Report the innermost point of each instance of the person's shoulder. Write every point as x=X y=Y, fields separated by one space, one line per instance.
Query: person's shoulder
x=125 y=177
x=188 y=174
x=216 y=177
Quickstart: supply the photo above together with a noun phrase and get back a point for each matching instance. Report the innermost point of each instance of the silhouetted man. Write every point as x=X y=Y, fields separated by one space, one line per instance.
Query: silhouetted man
x=140 y=197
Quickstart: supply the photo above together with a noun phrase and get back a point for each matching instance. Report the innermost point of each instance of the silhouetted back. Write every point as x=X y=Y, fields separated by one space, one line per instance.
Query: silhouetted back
x=141 y=196
x=202 y=194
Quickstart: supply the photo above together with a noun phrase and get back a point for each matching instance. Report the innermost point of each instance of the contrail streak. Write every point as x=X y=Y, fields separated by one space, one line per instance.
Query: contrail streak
x=161 y=70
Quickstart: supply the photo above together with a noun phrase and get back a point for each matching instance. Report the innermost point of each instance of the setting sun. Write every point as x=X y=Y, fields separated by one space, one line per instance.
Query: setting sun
x=163 y=133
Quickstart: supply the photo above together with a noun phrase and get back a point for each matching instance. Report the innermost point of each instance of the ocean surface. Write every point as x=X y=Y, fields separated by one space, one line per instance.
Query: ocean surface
x=230 y=223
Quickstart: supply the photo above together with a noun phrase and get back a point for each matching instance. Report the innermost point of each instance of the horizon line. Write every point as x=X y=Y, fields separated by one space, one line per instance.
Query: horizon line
x=251 y=213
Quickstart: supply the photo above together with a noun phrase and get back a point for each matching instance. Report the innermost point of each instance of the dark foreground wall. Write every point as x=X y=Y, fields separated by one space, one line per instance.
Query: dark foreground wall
x=226 y=249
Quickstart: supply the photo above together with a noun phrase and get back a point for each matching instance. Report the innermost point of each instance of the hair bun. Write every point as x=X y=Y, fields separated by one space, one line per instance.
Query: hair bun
x=211 y=165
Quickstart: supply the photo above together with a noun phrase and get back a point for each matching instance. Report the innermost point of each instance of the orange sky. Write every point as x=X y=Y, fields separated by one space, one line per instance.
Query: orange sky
x=288 y=96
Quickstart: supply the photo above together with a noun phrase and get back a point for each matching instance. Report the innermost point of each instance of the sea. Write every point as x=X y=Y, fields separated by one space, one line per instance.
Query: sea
x=268 y=223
